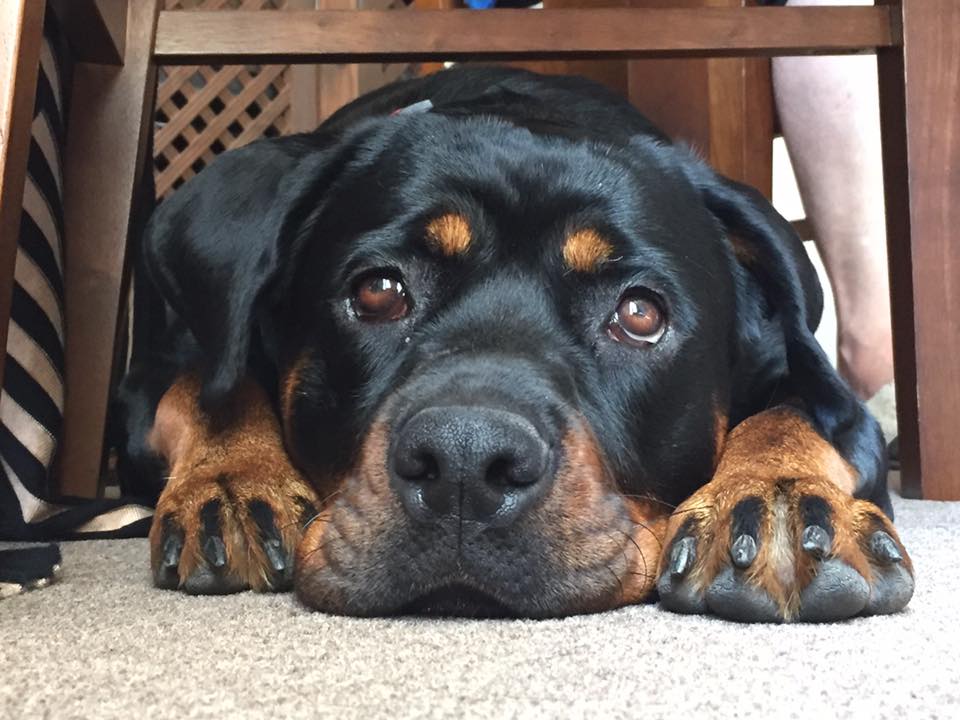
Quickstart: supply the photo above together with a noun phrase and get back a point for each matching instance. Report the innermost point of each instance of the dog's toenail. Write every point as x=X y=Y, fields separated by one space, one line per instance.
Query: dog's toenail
x=172 y=547
x=275 y=555
x=743 y=551
x=215 y=552
x=884 y=548
x=816 y=541
x=682 y=556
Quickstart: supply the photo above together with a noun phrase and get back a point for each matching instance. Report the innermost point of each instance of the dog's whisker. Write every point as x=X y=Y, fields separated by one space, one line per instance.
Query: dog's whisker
x=617 y=578
x=640 y=552
x=649 y=498
x=304 y=524
x=317 y=549
x=314 y=519
x=653 y=534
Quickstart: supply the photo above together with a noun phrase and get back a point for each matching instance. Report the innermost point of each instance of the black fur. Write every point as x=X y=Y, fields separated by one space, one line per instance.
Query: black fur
x=256 y=257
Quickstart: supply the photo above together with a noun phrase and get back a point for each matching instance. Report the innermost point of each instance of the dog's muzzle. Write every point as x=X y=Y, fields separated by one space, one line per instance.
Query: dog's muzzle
x=470 y=464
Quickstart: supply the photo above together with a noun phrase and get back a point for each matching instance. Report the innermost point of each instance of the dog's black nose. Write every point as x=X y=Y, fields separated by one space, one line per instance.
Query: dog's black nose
x=477 y=463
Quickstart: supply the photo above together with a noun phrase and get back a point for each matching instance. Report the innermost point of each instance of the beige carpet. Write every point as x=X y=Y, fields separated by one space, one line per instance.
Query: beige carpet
x=102 y=643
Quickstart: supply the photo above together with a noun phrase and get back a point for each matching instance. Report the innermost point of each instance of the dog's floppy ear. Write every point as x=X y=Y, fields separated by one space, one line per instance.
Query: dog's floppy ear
x=214 y=248
x=766 y=244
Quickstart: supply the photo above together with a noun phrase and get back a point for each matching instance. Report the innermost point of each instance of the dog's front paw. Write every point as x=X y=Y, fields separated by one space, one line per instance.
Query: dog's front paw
x=793 y=549
x=223 y=529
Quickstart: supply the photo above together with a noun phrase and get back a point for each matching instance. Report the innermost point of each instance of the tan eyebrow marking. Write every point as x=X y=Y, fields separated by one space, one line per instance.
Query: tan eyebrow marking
x=585 y=249
x=450 y=234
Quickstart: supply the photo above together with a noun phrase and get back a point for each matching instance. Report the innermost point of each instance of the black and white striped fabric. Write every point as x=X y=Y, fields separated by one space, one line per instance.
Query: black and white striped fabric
x=31 y=404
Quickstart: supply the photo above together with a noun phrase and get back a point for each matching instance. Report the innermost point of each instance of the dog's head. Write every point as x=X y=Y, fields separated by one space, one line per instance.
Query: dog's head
x=501 y=357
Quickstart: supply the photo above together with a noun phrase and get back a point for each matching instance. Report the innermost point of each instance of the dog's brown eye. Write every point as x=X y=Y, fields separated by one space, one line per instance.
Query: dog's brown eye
x=638 y=319
x=380 y=298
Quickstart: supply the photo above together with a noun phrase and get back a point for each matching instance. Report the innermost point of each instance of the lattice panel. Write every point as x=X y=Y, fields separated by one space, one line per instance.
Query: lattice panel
x=204 y=110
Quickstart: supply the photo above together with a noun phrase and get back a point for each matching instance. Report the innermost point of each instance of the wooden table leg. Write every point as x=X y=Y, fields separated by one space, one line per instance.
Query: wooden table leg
x=111 y=117
x=21 y=35
x=920 y=114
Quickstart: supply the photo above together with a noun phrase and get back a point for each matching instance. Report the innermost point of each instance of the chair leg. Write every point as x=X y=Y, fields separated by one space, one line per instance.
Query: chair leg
x=110 y=124
x=723 y=106
x=21 y=35
x=741 y=120
x=920 y=115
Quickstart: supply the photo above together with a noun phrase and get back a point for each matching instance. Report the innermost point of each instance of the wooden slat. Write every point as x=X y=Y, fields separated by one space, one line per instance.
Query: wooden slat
x=219 y=124
x=304 y=79
x=612 y=73
x=271 y=112
x=741 y=120
x=389 y=36
x=722 y=106
x=337 y=85
x=238 y=113
x=305 y=99
x=95 y=29
x=181 y=118
x=203 y=112
x=920 y=115
x=196 y=150
x=437 y=65
x=194 y=104
x=176 y=78
x=21 y=31
x=110 y=122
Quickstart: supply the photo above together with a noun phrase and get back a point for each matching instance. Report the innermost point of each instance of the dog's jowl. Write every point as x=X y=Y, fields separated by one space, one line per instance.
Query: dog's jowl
x=513 y=353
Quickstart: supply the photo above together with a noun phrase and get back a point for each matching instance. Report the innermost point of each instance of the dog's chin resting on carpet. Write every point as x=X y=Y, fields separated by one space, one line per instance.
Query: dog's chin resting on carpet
x=487 y=343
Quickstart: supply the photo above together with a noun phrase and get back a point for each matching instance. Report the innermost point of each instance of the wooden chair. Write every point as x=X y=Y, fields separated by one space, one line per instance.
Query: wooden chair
x=917 y=43
x=721 y=105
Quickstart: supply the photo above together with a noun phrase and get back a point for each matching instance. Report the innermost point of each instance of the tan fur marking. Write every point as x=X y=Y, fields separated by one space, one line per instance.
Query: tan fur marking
x=780 y=443
x=603 y=546
x=176 y=422
x=288 y=388
x=347 y=533
x=242 y=462
x=721 y=423
x=450 y=234
x=629 y=530
x=743 y=251
x=778 y=457
x=585 y=249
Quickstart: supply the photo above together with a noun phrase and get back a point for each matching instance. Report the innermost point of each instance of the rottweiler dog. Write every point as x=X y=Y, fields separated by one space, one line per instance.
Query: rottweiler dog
x=488 y=343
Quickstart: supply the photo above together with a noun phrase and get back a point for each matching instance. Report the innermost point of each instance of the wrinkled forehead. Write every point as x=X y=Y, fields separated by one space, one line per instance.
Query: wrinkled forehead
x=488 y=190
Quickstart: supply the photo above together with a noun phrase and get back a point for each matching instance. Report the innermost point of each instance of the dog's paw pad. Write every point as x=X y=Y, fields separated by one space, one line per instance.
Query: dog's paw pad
x=837 y=591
